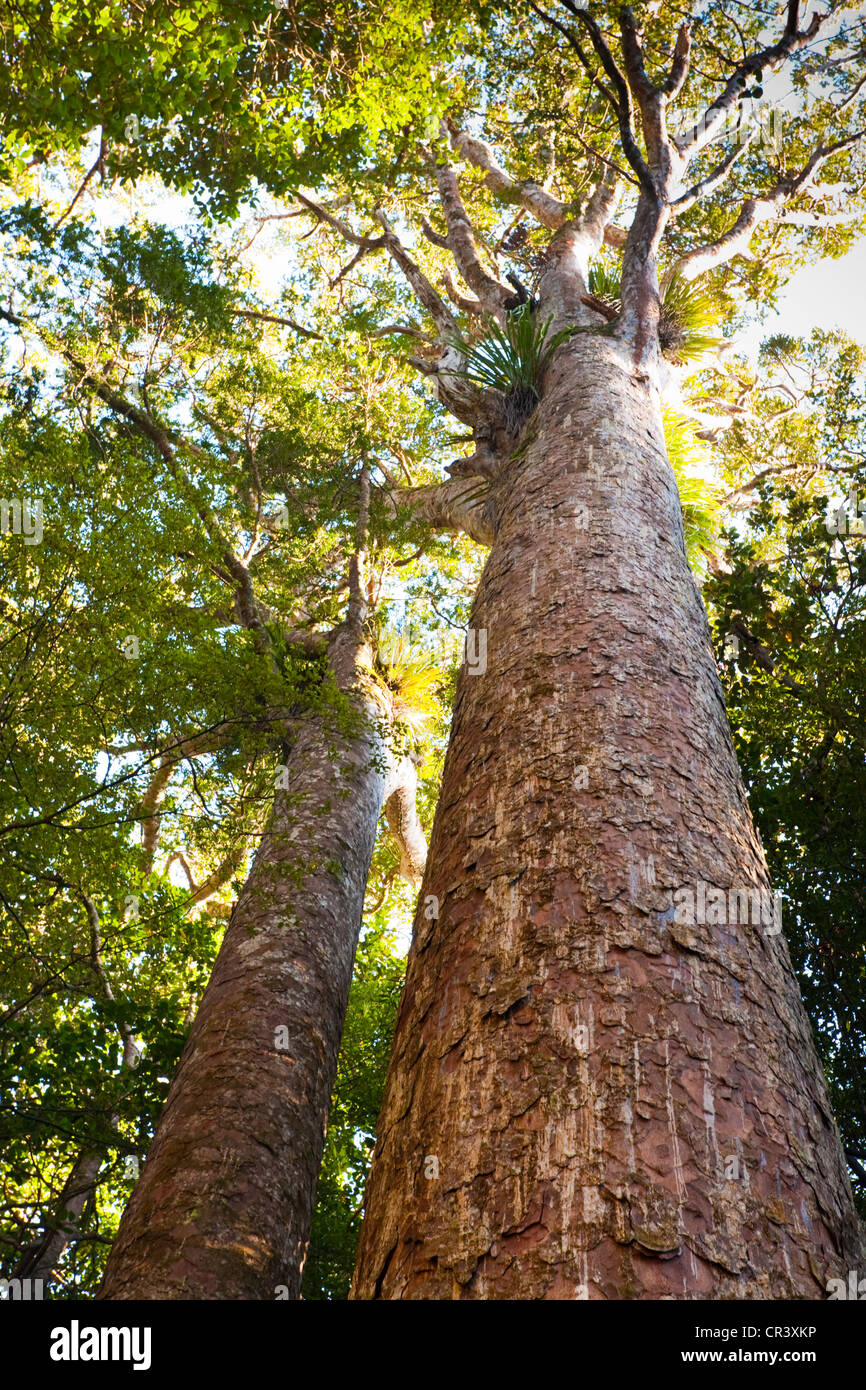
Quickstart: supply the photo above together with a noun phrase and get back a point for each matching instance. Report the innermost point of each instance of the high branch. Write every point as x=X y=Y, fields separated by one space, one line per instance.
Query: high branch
x=657 y=162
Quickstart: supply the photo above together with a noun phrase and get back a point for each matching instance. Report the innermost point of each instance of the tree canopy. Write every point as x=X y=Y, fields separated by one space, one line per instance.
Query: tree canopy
x=245 y=246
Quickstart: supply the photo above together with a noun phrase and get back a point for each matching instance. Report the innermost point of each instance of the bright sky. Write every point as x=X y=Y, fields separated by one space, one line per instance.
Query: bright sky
x=831 y=294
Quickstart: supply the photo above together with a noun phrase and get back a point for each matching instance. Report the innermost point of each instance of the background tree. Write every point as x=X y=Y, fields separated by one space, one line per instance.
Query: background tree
x=786 y=598
x=215 y=97
x=166 y=535
x=557 y=116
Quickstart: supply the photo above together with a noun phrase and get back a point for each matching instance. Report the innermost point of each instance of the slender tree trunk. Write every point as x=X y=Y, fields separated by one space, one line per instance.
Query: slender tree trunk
x=587 y=1096
x=223 y=1206
x=40 y=1258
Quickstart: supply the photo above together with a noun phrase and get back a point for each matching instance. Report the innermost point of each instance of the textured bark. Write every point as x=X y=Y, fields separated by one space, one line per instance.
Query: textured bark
x=223 y=1206
x=401 y=813
x=619 y=1105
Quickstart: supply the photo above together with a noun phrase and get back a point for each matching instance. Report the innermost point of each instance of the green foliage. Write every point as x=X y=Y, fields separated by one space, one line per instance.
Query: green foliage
x=357 y=1096
x=689 y=459
x=216 y=97
x=414 y=680
x=688 y=311
x=795 y=599
x=605 y=282
x=512 y=359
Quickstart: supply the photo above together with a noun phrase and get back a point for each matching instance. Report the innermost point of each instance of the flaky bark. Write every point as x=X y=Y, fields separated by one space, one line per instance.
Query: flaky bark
x=491 y=294
x=588 y=1098
x=401 y=813
x=458 y=505
x=223 y=1206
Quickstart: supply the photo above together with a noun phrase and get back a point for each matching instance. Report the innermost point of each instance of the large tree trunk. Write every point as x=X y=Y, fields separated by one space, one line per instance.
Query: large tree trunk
x=587 y=1097
x=223 y=1206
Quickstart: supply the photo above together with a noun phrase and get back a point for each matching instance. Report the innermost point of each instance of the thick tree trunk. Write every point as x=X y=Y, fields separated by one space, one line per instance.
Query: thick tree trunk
x=223 y=1206
x=588 y=1097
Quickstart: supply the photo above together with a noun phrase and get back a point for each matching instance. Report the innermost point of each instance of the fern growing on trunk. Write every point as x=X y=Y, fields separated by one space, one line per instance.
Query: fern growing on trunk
x=511 y=360
x=688 y=313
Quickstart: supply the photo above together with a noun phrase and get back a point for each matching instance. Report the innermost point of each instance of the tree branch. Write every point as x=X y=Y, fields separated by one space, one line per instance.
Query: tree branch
x=462 y=301
x=148 y=810
x=406 y=329
x=713 y=180
x=192 y=746
x=97 y=167
x=401 y=789
x=457 y=505
x=434 y=237
x=618 y=95
x=461 y=241
x=366 y=242
x=681 y=63
x=446 y=324
x=227 y=866
x=595 y=219
x=767 y=207
x=357 y=609
x=767 y=58
x=277 y=318
x=247 y=608
x=546 y=209
x=643 y=90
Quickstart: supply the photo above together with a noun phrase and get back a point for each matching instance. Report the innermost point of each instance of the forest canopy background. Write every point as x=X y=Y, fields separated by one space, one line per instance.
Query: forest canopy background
x=202 y=354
